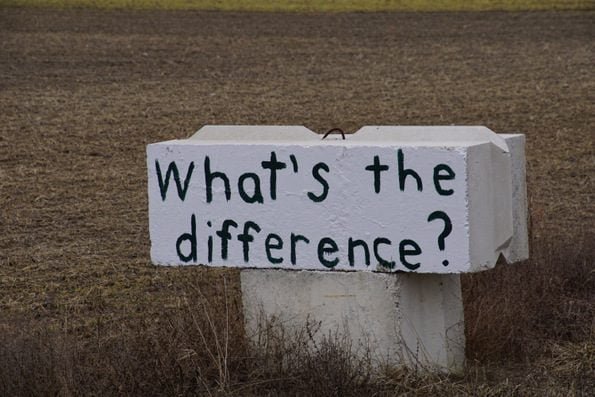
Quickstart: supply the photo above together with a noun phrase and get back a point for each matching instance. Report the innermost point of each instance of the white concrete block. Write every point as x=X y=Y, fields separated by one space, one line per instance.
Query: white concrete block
x=518 y=248
x=395 y=319
x=401 y=318
x=252 y=133
x=420 y=199
x=432 y=321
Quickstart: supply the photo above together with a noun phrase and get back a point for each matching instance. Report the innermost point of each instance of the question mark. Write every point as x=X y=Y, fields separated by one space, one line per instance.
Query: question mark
x=447 y=229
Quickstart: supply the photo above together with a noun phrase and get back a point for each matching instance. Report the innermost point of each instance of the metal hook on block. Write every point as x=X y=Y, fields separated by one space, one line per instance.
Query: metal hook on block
x=334 y=130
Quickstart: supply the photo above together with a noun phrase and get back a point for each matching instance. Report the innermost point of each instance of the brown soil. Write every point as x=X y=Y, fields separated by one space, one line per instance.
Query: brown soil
x=82 y=93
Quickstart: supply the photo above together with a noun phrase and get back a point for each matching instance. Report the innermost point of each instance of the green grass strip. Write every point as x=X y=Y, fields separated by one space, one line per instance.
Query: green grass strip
x=313 y=5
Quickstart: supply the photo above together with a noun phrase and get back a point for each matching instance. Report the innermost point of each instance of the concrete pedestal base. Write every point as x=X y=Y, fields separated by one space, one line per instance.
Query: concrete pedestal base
x=398 y=319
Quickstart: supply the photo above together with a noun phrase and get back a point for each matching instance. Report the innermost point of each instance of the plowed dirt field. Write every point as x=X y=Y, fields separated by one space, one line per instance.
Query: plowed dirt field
x=83 y=92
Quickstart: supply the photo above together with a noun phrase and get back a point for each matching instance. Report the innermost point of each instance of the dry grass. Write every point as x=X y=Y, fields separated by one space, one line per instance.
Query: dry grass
x=515 y=312
x=197 y=347
x=82 y=311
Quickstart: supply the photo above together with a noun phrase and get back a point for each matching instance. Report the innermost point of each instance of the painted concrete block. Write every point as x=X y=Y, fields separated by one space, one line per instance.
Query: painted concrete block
x=418 y=199
x=518 y=248
x=381 y=188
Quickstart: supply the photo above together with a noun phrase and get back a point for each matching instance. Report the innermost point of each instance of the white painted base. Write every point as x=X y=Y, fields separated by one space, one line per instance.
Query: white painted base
x=397 y=319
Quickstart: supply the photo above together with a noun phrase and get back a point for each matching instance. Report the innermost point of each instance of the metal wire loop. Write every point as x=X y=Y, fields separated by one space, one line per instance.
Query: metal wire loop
x=334 y=130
